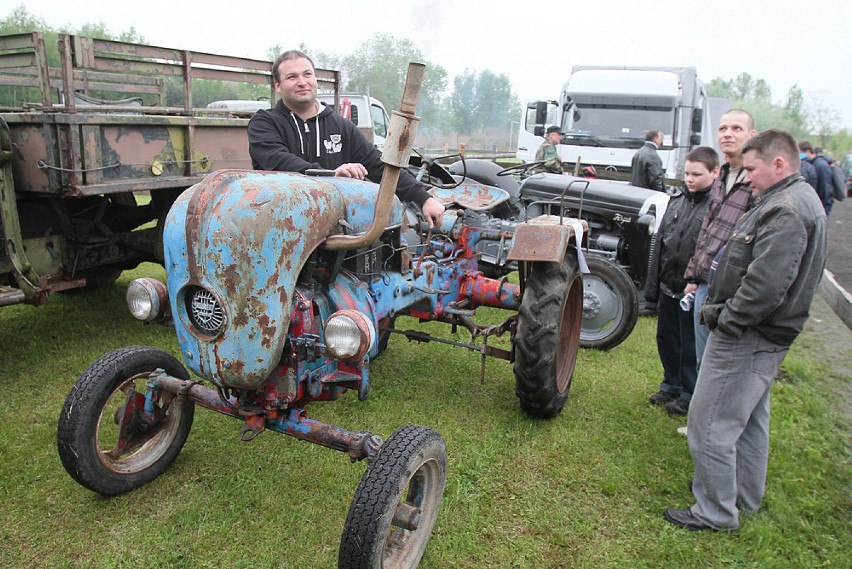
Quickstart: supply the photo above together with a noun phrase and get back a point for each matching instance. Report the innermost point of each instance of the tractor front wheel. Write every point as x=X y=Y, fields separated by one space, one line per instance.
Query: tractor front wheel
x=395 y=507
x=111 y=439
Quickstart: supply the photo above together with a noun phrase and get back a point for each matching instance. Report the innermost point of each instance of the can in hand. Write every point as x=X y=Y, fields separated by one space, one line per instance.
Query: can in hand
x=686 y=302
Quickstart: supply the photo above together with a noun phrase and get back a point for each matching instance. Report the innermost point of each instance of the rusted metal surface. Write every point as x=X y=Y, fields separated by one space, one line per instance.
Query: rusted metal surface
x=358 y=445
x=244 y=236
x=96 y=129
x=483 y=291
x=469 y=195
x=544 y=238
x=396 y=152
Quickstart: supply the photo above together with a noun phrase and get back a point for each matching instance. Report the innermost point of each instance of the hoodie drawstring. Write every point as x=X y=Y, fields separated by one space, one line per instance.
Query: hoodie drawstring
x=307 y=130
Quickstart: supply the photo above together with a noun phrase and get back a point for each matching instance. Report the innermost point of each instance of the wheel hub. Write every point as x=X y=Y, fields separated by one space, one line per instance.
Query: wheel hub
x=591 y=304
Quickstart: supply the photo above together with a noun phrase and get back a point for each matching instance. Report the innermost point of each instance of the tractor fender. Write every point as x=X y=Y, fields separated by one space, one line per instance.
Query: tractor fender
x=546 y=238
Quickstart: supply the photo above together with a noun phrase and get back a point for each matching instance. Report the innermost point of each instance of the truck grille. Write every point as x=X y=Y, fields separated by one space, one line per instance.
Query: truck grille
x=204 y=311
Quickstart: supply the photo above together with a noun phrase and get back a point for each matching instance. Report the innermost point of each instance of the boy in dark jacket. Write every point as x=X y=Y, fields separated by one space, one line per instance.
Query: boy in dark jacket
x=678 y=235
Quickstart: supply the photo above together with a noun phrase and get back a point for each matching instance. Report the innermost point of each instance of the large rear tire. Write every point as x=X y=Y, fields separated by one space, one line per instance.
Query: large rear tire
x=104 y=441
x=395 y=507
x=548 y=337
x=610 y=304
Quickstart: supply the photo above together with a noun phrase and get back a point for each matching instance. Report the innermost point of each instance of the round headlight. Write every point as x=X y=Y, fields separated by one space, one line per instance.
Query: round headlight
x=349 y=335
x=147 y=299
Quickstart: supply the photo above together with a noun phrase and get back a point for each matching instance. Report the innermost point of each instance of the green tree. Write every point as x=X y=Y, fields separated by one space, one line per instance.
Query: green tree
x=795 y=110
x=464 y=103
x=823 y=119
x=100 y=31
x=378 y=67
x=718 y=87
x=497 y=104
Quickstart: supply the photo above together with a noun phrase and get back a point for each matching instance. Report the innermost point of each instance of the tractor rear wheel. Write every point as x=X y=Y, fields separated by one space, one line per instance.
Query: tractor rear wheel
x=547 y=338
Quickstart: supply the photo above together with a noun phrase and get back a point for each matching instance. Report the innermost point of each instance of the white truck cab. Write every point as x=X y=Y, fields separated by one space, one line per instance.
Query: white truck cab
x=604 y=113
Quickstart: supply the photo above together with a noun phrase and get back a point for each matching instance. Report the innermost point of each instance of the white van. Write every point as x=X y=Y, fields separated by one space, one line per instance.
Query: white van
x=368 y=113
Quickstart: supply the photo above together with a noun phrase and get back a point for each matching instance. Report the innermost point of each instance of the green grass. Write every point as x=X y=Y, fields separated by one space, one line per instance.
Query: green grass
x=586 y=489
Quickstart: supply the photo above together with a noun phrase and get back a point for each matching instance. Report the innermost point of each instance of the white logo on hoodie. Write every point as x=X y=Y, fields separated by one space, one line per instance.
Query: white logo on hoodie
x=333 y=145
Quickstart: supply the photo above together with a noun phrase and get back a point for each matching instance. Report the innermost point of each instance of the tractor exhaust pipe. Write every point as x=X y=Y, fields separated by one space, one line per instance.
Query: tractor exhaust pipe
x=398 y=145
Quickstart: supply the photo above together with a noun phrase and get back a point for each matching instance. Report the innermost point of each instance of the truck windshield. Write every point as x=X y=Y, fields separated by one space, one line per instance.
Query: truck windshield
x=618 y=125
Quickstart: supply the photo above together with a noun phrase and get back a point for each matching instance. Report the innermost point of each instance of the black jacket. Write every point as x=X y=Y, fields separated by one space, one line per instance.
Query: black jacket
x=647 y=168
x=279 y=140
x=678 y=235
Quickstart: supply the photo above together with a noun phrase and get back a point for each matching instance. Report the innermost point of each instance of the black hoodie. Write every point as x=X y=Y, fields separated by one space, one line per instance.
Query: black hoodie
x=279 y=140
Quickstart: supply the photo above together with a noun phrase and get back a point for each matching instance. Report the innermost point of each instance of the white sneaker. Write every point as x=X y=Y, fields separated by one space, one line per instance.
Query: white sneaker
x=681 y=431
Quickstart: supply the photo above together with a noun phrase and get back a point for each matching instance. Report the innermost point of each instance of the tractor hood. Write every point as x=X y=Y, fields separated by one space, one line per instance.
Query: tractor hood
x=234 y=245
x=604 y=197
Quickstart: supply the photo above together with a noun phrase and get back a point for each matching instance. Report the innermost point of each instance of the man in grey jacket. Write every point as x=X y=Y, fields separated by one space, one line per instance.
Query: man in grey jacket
x=647 y=167
x=761 y=290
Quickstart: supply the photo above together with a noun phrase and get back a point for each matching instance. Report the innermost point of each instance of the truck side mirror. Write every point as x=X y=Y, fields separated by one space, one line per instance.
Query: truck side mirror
x=697 y=121
x=538 y=130
x=695 y=139
x=540 y=112
x=577 y=114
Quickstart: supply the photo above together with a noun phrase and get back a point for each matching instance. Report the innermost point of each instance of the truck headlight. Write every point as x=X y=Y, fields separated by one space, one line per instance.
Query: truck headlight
x=349 y=335
x=147 y=299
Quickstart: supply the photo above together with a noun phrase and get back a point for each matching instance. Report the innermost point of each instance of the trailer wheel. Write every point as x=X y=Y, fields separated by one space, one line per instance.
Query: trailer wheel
x=103 y=441
x=610 y=305
x=547 y=338
x=395 y=507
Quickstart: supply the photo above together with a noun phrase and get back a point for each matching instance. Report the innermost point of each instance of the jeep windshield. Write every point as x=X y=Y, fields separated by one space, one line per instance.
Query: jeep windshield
x=620 y=126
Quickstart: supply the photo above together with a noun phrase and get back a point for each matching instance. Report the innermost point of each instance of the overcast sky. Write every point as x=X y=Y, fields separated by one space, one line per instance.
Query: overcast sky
x=534 y=43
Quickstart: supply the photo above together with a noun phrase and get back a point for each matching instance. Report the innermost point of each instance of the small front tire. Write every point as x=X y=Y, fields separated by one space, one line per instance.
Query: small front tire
x=104 y=441
x=395 y=507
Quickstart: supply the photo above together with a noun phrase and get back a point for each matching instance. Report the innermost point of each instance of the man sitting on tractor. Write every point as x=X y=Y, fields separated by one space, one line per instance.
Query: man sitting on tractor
x=299 y=134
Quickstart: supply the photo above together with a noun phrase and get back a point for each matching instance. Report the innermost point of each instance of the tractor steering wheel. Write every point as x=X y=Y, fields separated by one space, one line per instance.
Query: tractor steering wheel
x=522 y=170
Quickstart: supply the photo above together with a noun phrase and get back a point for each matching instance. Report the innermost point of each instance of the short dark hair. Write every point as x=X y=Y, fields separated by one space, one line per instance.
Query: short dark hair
x=705 y=155
x=287 y=56
x=774 y=142
x=652 y=134
x=805 y=146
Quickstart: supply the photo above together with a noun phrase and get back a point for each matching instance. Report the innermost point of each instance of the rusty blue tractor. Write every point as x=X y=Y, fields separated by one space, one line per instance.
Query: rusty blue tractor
x=282 y=288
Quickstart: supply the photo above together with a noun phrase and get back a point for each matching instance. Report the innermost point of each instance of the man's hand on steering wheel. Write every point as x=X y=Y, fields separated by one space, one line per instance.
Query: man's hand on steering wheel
x=351 y=170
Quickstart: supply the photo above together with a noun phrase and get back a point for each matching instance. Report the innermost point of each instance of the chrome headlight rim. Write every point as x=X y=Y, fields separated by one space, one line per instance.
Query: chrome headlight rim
x=147 y=299
x=361 y=331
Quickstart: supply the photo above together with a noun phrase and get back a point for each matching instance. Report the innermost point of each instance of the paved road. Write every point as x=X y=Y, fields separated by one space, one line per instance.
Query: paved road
x=840 y=243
